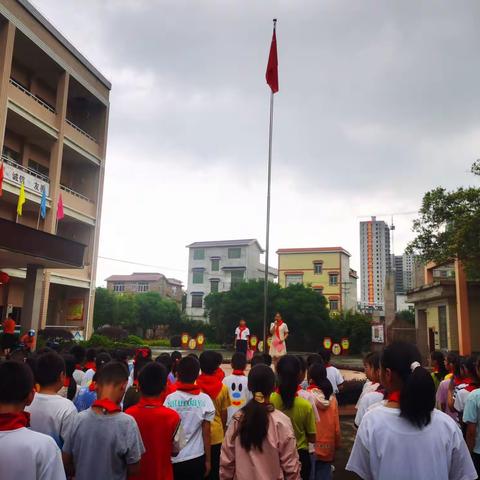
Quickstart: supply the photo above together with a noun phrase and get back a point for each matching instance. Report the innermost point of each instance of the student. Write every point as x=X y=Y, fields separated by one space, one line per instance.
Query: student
x=50 y=413
x=452 y=363
x=260 y=442
x=210 y=384
x=375 y=395
x=166 y=360
x=237 y=385
x=79 y=353
x=470 y=382
x=196 y=410
x=261 y=359
x=368 y=386
x=219 y=373
x=176 y=356
x=70 y=387
x=280 y=332
x=104 y=442
x=439 y=371
x=302 y=390
x=24 y=453
x=298 y=409
x=159 y=426
x=8 y=337
x=242 y=334
x=90 y=356
x=328 y=423
x=471 y=417
x=28 y=340
x=333 y=373
x=407 y=437
x=132 y=394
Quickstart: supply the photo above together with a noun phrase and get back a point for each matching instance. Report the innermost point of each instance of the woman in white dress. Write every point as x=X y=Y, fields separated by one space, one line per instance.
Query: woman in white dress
x=279 y=331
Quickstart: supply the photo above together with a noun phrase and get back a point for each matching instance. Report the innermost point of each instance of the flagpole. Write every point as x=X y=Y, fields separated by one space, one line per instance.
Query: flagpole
x=267 y=236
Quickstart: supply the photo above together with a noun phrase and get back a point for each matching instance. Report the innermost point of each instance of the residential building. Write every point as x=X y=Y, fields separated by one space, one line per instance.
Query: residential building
x=325 y=269
x=217 y=266
x=140 y=282
x=403 y=266
x=53 y=132
x=375 y=261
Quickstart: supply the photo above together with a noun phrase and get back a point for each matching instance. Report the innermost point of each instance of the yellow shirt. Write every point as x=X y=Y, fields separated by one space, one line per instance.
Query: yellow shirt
x=222 y=402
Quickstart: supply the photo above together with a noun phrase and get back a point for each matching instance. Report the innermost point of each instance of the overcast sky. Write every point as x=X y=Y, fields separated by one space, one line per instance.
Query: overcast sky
x=379 y=101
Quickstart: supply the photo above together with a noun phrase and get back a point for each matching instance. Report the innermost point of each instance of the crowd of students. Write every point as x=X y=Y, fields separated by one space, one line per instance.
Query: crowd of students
x=118 y=415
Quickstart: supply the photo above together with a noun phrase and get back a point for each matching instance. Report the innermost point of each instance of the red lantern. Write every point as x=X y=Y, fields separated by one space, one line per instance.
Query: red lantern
x=4 y=277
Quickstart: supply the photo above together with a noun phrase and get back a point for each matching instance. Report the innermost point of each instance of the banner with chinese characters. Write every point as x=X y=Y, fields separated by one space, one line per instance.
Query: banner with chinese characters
x=17 y=176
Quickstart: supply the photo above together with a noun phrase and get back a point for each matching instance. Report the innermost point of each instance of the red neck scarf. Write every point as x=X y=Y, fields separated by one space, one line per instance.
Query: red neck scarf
x=312 y=386
x=219 y=373
x=241 y=329
x=78 y=367
x=238 y=372
x=66 y=382
x=107 y=405
x=277 y=328
x=91 y=366
x=394 y=396
x=150 y=402
x=210 y=384
x=14 y=421
x=92 y=387
x=190 y=388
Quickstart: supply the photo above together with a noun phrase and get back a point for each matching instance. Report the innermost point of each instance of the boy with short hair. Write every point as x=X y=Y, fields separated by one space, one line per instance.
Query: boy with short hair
x=24 y=453
x=212 y=385
x=196 y=410
x=105 y=442
x=333 y=374
x=50 y=413
x=237 y=384
x=159 y=426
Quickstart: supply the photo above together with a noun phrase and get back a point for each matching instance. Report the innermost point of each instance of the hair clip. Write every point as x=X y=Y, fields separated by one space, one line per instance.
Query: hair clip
x=414 y=365
x=259 y=397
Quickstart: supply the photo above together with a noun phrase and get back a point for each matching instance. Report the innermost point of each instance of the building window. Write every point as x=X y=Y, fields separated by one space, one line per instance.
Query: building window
x=293 y=279
x=215 y=264
x=197 y=300
x=317 y=268
x=234 y=252
x=334 y=305
x=199 y=254
x=197 y=276
x=118 y=287
x=214 y=286
x=38 y=167
x=319 y=290
x=236 y=277
x=142 y=287
x=11 y=154
x=333 y=279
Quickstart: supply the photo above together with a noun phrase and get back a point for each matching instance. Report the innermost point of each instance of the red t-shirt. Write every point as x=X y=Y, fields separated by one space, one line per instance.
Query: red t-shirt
x=9 y=326
x=158 y=426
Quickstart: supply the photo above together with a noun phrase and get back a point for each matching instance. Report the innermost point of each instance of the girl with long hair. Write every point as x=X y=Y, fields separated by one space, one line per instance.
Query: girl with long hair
x=260 y=442
x=439 y=370
x=407 y=437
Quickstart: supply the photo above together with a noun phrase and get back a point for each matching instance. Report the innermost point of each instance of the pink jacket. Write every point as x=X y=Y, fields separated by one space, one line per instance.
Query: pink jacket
x=277 y=461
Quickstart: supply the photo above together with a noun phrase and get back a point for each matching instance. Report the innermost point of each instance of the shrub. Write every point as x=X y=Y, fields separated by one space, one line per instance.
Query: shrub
x=134 y=340
x=176 y=341
x=113 y=332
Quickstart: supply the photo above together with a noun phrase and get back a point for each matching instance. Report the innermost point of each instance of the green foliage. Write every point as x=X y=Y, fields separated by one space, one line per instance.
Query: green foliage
x=134 y=340
x=449 y=227
x=356 y=327
x=407 y=316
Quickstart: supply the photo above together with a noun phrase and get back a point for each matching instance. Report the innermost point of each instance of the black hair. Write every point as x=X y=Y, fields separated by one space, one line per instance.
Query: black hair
x=121 y=355
x=303 y=366
x=48 y=368
x=16 y=382
x=253 y=426
x=325 y=354
x=470 y=366
x=219 y=359
x=188 y=369
x=288 y=370
x=372 y=359
x=318 y=373
x=70 y=363
x=140 y=362
x=166 y=360
x=90 y=355
x=152 y=379
x=257 y=359
x=113 y=372
x=314 y=358
x=79 y=353
x=208 y=362
x=193 y=355
x=176 y=356
x=438 y=357
x=417 y=395
x=267 y=359
x=102 y=359
x=239 y=361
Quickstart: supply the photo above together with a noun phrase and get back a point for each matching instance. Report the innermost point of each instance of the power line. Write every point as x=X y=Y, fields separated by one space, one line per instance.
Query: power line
x=141 y=264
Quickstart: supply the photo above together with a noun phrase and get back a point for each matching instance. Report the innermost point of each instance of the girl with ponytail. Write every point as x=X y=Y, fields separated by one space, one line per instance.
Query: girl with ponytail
x=260 y=442
x=407 y=437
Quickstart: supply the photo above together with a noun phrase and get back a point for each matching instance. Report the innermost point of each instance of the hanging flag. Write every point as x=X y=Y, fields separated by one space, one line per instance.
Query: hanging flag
x=21 y=200
x=272 y=67
x=60 y=213
x=1 y=179
x=43 y=204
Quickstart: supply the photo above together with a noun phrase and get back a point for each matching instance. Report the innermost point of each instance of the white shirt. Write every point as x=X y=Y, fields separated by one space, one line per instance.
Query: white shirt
x=25 y=454
x=239 y=393
x=461 y=400
x=335 y=377
x=368 y=386
x=193 y=410
x=242 y=335
x=388 y=446
x=88 y=377
x=78 y=376
x=369 y=399
x=52 y=415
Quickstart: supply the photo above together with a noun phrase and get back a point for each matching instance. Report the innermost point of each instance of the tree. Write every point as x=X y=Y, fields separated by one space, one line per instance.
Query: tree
x=104 y=307
x=407 y=316
x=449 y=227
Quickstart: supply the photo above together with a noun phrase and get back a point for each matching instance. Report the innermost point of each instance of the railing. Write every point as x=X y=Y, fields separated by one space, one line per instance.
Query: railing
x=31 y=172
x=75 y=194
x=83 y=132
x=33 y=96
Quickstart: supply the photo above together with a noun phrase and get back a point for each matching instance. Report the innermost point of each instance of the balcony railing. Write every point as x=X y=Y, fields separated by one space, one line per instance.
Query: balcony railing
x=32 y=96
x=83 y=132
x=19 y=174
x=75 y=194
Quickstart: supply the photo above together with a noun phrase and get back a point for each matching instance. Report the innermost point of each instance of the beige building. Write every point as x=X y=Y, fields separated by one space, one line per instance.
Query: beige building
x=53 y=133
x=146 y=282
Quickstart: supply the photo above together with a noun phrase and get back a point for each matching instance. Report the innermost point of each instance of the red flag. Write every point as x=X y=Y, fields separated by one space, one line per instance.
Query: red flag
x=272 y=67
x=1 y=179
x=60 y=213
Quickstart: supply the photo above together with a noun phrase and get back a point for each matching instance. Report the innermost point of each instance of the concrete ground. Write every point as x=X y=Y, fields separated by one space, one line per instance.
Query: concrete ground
x=348 y=431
